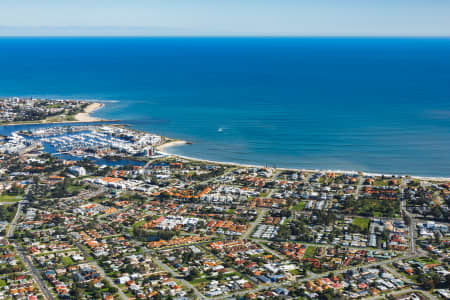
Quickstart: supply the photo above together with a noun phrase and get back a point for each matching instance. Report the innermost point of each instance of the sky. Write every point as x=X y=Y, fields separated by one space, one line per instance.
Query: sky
x=225 y=18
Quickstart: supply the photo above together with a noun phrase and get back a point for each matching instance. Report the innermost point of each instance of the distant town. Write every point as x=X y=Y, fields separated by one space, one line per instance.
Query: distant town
x=101 y=211
x=15 y=110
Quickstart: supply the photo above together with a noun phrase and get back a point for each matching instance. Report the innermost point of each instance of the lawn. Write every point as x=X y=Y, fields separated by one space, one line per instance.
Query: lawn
x=374 y=207
x=263 y=195
x=139 y=224
x=67 y=260
x=300 y=205
x=426 y=260
x=295 y=272
x=362 y=223
x=8 y=198
x=7 y=212
x=74 y=188
x=381 y=182
x=310 y=251
x=200 y=279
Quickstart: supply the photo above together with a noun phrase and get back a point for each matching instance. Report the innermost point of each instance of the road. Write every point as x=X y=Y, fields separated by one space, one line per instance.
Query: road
x=412 y=223
x=103 y=273
x=412 y=229
x=147 y=164
x=313 y=277
x=259 y=218
x=247 y=235
x=358 y=186
x=99 y=189
x=319 y=244
x=274 y=253
x=34 y=273
x=111 y=282
x=375 y=264
x=393 y=271
x=12 y=226
x=402 y=197
x=175 y=275
x=170 y=271
x=261 y=214
x=401 y=292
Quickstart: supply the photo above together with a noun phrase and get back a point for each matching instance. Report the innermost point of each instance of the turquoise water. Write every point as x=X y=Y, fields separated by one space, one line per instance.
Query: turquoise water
x=370 y=104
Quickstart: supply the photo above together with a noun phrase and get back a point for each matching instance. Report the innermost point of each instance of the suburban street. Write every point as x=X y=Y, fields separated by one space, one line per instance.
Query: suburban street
x=251 y=228
x=171 y=271
x=34 y=272
x=102 y=272
x=175 y=275
x=13 y=224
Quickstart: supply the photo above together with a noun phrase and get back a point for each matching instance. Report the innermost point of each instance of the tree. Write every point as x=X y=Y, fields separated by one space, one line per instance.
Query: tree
x=193 y=273
x=436 y=212
x=428 y=284
x=407 y=219
x=78 y=292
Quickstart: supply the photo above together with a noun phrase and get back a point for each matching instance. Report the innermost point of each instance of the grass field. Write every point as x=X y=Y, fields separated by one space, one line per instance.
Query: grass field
x=374 y=207
x=67 y=260
x=381 y=183
x=362 y=223
x=426 y=260
x=138 y=224
x=299 y=206
x=295 y=272
x=74 y=188
x=8 y=198
x=310 y=251
x=8 y=211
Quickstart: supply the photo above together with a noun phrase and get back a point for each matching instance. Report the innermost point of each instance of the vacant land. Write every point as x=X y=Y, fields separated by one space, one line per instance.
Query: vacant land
x=7 y=212
x=310 y=251
x=67 y=260
x=299 y=206
x=362 y=223
x=9 y=198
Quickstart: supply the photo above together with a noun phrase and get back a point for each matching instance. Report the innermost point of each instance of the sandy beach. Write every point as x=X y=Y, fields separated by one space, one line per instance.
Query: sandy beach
x=163 y=147
x=163 y=150
x=85 y=116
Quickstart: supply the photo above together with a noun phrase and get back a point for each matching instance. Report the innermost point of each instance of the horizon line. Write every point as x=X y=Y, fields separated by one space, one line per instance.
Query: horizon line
x=224 y=36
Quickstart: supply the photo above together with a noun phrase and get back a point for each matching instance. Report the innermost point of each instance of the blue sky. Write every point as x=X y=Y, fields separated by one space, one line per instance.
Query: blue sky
x=226 y=17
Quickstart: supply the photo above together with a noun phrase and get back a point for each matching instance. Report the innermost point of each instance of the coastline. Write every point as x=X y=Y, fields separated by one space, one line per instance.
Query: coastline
x=82 y=117
x=172 y=143
x=162 y=149
x=85 y=115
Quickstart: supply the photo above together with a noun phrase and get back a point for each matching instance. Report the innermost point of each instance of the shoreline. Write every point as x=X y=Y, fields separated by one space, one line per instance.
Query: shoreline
x=81 y=117
x=162 y=149
x=85 y=115
x=172 y=143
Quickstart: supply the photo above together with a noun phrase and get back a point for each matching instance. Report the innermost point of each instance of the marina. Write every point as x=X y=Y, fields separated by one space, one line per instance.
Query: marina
x=103 y=144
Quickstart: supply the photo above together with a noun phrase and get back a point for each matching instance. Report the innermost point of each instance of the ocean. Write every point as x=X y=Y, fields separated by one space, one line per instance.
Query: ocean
x=366 y=104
